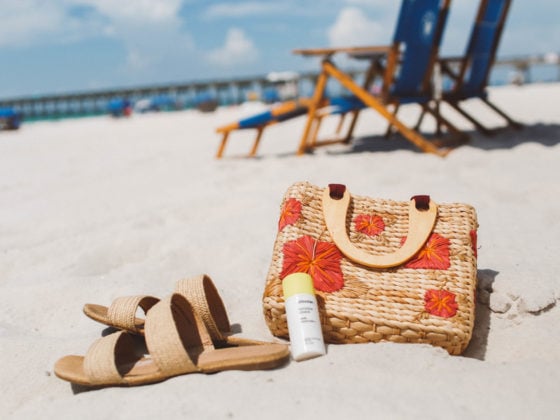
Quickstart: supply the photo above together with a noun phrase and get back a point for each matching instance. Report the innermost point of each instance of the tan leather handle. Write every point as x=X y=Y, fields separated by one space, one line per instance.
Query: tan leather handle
x=421 y=223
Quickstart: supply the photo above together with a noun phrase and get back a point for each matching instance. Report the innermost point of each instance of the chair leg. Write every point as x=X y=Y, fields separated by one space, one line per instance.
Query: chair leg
x=469 y=117
x=350 y=131
x=420 y=119
x=253 y=151
x=314 y=134
x=222 y=147
x=340 y=124
x=506 y=117
x=389 y=131
x=373 y=71
x=312 y=113
x=439 y=119
x=457 y=134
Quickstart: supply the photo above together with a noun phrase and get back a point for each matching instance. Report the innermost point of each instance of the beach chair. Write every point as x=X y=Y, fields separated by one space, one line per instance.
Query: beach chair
x=405 y=68
x=10 y=119
x=285 y=111
x=119 y=107
x=471 y=72
x=281 y=112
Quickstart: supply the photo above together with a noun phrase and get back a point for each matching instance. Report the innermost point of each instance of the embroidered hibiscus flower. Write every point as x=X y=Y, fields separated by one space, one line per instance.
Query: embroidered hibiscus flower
x=291 y=211
x=434 y=254
x=369 y=224
x=473 y=242
x=440 y=303
x=321 y=260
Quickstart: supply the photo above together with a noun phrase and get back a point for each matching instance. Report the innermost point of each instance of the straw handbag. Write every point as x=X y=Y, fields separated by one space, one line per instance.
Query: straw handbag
x=383 y=270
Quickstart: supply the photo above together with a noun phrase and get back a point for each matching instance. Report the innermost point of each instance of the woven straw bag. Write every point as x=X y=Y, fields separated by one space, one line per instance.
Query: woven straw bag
x=383 y=270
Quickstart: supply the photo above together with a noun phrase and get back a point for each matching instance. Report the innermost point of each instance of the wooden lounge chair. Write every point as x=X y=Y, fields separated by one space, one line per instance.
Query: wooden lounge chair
x=471 y=72
x=279 y=113
x=405 y=68
x=259 y=122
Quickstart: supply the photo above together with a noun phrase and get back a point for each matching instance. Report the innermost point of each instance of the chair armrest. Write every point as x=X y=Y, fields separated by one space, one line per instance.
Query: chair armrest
x=358 y=52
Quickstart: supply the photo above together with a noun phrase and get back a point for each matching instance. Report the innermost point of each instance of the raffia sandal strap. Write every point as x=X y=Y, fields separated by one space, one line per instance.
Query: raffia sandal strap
x=122 y=312
x=104 y=355
x=200 y=291
x=203 y=295
x=175 y=336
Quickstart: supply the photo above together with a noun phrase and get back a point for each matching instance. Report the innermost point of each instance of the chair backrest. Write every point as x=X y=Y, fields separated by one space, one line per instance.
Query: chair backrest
x=417 y=36
x=482 y=46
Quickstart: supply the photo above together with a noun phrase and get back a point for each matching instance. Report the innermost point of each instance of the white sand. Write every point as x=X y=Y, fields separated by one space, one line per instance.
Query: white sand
x=97 y=208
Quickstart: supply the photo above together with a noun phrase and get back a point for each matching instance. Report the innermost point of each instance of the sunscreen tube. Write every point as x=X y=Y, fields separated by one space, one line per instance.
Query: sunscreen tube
x=302 y=312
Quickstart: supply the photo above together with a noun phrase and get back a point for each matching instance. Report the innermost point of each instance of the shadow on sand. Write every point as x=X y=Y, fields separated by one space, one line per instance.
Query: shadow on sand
x=544 y=134
x=479 y=341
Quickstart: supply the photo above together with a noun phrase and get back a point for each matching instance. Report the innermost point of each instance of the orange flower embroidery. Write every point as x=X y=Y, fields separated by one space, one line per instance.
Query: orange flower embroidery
x=440 y=303
x=434 y=254
x=321 y=260
x=474 y=242
x=290 y=213
x=369 y=224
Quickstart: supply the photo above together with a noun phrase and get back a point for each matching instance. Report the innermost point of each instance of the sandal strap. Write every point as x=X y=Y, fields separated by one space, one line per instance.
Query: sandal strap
x=122 y=312
x=175 y=335
x=203 y=295
x=100 y=362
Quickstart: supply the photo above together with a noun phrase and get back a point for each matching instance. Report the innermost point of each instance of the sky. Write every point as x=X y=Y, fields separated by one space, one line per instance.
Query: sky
x=61 y=46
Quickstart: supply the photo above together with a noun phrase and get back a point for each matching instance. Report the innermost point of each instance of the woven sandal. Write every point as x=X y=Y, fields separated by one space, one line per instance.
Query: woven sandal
x=178 y=343
x=200 y=291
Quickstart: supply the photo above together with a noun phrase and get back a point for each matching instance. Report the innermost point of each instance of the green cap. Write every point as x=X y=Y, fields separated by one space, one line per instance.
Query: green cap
x=297 y=283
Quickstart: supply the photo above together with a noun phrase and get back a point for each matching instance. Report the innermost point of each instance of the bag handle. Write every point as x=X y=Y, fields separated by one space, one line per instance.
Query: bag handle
x=422 y=214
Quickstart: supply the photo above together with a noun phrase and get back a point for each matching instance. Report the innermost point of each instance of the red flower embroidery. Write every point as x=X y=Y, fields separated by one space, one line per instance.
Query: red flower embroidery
x=290 y=213
x=369 y=224
x=434 y=254
x=473 y=242
x=321 y=260
x=440 y=303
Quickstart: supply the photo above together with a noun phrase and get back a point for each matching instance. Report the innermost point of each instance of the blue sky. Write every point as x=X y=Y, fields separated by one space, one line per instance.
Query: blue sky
x=56 y=46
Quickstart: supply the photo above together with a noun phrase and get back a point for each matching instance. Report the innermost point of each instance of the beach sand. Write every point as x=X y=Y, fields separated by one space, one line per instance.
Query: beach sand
x=96 y=208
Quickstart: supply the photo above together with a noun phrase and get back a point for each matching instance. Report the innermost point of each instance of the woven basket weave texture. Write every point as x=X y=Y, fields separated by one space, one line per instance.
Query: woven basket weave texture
x=383 y=304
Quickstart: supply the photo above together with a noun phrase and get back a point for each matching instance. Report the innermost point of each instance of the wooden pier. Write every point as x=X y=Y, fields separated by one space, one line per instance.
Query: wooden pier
x=186 y=95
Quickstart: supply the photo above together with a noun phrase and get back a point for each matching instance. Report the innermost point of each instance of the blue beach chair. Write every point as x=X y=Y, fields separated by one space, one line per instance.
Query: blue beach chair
x=471 y=72
x=405 y=68
x=260 y=121
x=10 y=119
x=282 y=112
x=205 y=102
x=119 y=107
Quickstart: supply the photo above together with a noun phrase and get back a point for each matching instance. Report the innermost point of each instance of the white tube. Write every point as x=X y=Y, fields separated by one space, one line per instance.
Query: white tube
x=304 y=325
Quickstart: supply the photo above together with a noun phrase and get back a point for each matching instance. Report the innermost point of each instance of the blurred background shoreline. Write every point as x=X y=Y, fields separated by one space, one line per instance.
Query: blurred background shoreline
x=209 y=94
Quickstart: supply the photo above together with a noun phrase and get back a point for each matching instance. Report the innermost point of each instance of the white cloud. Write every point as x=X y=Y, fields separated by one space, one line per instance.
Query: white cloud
x=237 y=49
x=146 y=48
x=135 y=10
x=377 y=4
x=353 y=27
x=237 y=9
x=24 y=21
x=149 y=30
